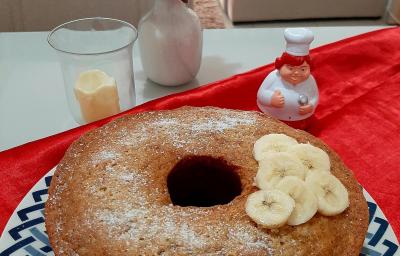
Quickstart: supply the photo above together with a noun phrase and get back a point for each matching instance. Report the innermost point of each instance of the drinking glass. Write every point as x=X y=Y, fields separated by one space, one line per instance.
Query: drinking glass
x=97 y=65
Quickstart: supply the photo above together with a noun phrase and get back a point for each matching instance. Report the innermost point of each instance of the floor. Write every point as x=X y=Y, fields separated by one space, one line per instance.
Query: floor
x=210 y=13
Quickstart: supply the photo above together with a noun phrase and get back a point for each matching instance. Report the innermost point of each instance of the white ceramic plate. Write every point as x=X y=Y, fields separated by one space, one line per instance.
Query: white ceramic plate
x=25 y=232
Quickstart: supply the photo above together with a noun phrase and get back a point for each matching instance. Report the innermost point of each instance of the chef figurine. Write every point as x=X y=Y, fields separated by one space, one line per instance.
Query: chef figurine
x=290 y=93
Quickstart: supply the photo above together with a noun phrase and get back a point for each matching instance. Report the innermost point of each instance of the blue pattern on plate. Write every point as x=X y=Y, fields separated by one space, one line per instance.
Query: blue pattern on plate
x=374 y=235
x=30 y=237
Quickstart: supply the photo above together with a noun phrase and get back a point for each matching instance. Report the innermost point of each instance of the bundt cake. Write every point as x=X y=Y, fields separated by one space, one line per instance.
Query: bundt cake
x=175 y=182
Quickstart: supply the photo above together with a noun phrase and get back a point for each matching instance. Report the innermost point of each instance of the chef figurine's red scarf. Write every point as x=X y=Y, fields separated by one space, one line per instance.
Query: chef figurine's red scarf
x=358 y=116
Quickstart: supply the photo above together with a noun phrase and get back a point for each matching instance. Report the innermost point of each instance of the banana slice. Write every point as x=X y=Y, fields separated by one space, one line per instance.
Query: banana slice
x=306 y=202
x=332 y=195
x=272 y=143
x=313 y=158
x=269 y=208
x=276 y=166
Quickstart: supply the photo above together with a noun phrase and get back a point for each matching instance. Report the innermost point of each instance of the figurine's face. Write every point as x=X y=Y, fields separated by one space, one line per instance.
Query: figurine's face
x=295 y=74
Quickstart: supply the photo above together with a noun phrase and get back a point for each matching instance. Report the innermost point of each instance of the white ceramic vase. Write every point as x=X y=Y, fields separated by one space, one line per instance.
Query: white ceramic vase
x=170 y=42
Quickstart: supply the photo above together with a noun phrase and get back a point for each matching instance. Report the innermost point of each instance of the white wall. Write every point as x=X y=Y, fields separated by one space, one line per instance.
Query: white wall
x=43 y=15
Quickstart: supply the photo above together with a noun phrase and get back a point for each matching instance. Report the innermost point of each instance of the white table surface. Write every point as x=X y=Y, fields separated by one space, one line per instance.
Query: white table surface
x=32 y=99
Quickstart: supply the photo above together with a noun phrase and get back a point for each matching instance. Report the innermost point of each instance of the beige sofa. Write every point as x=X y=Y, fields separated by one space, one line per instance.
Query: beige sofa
x=266 y=10
x=41 y=15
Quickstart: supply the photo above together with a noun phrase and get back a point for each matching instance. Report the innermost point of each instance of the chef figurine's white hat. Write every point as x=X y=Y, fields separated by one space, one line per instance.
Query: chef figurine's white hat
x=298 y=41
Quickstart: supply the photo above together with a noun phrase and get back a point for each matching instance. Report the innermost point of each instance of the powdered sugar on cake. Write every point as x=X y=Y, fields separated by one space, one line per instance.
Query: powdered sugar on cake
x=182 y=134
x=166 y=224
x=145 y=220
x=104 y=156
x=120 y=209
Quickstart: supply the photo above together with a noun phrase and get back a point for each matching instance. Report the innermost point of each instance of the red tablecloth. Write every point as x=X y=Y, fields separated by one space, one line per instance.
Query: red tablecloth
x=358 y=116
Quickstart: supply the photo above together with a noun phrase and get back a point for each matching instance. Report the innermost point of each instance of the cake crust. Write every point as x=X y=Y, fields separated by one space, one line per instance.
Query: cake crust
x=109 y=193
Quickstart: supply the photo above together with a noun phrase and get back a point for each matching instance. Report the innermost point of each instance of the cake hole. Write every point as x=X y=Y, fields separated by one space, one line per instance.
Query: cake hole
x=203 y=181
